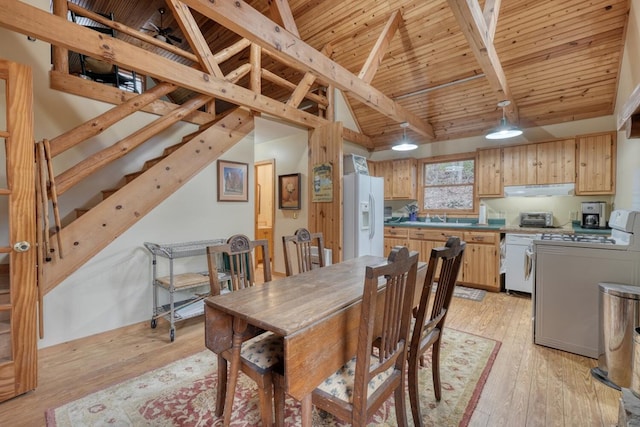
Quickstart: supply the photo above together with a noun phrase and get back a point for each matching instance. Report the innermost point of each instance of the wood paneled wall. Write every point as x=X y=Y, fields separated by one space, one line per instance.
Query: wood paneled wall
x=325 y=146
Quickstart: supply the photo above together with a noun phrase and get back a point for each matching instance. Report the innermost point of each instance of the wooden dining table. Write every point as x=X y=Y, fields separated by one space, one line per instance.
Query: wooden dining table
x=317 y=313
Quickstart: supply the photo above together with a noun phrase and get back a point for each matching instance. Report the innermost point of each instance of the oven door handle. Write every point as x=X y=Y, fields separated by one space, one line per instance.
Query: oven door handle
x=528 y=262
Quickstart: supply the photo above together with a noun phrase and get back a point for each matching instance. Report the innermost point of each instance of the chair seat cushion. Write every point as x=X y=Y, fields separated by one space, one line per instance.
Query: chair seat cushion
x=264 y=351
x=340 y=384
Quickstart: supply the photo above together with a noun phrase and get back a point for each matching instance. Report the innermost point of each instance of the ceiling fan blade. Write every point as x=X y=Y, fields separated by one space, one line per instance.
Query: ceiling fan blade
x=148 y=29
x=174 y=38
x=156 y=28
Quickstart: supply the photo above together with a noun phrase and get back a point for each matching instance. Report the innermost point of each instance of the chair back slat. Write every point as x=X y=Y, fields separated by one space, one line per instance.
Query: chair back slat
x=399 y=274
x=237 y=257
x=304 y=241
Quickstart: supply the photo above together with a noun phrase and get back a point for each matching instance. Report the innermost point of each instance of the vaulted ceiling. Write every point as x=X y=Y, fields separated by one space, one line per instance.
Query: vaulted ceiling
x=445 y=63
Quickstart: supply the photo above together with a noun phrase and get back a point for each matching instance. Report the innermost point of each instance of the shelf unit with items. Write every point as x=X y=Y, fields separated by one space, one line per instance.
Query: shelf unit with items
x=192 y=283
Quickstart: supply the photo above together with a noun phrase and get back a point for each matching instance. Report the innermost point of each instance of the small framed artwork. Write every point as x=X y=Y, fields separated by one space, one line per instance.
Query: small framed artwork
x=289 y=186
x=233 y=181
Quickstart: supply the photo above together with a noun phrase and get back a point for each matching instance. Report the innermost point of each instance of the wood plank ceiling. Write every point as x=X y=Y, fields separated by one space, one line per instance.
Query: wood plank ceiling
x=557 y=61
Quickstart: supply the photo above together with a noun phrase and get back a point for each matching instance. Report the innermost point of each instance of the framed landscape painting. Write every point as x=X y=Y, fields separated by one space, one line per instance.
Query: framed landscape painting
x=233 y=179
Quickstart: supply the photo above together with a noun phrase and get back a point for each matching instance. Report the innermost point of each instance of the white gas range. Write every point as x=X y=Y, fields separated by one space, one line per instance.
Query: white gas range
x=568 y=269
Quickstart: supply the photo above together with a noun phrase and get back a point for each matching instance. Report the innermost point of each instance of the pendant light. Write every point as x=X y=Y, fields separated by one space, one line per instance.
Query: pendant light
x=504 y=129
x=404 y=145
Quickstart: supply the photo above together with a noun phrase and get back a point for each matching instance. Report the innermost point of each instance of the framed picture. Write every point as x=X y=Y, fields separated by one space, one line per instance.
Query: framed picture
x=289 y=186
x=322 y=182
x=233 y=179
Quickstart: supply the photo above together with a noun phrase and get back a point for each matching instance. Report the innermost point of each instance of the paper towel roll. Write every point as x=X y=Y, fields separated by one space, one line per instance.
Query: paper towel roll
x=482 y=218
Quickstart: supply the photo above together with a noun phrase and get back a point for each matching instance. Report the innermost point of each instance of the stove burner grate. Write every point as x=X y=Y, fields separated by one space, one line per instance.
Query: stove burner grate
x=590 y=238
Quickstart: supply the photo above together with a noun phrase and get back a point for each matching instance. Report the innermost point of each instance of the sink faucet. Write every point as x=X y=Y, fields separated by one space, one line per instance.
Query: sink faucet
x=442 y=218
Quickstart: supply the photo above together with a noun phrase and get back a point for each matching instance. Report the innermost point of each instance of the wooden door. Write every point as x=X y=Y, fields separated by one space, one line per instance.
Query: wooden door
x=18 y=292
x=519 y=164
x=265 y=204
x=596 y=164
x=556 y=162
x=489 y=172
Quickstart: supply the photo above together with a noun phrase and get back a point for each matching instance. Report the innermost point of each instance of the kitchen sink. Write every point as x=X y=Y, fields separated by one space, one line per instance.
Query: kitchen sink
x=438 y=224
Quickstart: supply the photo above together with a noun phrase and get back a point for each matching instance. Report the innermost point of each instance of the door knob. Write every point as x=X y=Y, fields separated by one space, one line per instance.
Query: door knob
x=22 y=246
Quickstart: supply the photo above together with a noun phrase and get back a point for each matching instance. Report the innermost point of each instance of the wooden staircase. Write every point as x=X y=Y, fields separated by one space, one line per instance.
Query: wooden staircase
x=144 y=190
x=145 y=167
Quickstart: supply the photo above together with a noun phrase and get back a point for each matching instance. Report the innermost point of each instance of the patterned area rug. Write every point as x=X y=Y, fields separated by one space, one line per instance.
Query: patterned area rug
x=183 y=394
x=466 y=293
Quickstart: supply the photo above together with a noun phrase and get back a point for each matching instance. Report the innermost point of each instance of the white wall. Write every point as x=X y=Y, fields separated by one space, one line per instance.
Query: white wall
x=291 y=156
x=113 y=289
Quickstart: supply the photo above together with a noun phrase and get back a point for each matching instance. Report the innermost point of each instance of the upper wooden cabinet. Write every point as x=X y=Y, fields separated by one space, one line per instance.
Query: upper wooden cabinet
x=596 y=169
x=489 y=172
x=543 y=163
x=399 y=178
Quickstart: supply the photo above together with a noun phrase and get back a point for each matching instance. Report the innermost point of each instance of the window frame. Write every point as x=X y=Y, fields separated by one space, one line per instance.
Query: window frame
x=445 y=159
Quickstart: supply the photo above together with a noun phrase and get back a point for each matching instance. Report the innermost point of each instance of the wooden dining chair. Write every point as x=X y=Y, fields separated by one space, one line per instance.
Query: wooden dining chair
x=429 y=323
x=261 y=352
x=364 y=383
x=303 y=241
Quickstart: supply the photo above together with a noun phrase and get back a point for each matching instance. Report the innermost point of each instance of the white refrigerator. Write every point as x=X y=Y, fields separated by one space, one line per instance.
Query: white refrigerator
x=363 y=223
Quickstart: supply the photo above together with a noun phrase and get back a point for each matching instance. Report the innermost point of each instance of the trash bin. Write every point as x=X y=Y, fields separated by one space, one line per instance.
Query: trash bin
x=619 y=316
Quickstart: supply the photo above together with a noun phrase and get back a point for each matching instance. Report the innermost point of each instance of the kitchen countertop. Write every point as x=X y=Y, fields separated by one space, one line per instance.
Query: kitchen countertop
x=498 y=225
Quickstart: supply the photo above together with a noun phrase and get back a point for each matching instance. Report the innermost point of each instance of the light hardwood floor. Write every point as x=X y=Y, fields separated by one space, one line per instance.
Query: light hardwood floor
x=529 y=385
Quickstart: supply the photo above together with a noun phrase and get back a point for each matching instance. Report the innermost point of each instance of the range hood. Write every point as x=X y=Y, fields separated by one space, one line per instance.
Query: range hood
x=539 y=190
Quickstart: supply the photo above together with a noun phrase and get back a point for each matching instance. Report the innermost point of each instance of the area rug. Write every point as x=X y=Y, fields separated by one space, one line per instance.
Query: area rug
x=467 y=293
x=183 y=394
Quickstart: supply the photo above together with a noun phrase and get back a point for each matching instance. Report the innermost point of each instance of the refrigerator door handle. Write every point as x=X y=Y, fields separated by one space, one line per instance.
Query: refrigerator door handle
x=372 y=214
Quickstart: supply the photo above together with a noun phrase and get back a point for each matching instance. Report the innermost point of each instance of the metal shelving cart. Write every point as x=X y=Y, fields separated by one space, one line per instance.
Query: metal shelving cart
x=192 y=306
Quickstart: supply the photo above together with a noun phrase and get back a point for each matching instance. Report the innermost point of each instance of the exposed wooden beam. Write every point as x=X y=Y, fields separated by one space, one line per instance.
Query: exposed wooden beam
x=131 y=32
x=281 y=13
x=306 y=82
x=234 y=49
x=194 y=37
x=357 y=137
x=22 y=18
x=380 y=48
x=91 y=164
x=111 y=95
x=242 y=19
x=98 y=124
x=473 y=26
x=629 y=109
x=491 y=12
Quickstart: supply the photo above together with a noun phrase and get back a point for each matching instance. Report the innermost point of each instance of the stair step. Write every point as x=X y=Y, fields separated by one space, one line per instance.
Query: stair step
x=109 y=192
x=80 y=212
x=152 y=162
x=172 y=148
x=131 y=176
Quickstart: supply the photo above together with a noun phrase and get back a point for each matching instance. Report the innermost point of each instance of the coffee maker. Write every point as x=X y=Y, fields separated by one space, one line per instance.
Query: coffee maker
x=594 y=215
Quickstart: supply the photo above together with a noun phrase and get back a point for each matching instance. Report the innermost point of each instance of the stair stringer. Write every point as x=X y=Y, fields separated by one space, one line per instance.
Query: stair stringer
x=101 y=225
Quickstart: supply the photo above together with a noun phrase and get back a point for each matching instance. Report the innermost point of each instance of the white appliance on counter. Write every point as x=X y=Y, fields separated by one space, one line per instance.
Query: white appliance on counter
x=363 y=222
x=568 y=269
x=516 y=277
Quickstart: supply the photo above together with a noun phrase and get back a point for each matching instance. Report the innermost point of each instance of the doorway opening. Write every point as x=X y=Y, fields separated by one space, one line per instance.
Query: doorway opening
x=265 y=205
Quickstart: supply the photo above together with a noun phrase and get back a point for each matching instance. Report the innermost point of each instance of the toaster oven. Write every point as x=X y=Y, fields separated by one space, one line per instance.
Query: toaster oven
x=536 y=219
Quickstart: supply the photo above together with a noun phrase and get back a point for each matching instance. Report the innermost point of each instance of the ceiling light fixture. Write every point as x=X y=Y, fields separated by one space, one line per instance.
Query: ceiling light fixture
x=404 y=145
x=504 y=129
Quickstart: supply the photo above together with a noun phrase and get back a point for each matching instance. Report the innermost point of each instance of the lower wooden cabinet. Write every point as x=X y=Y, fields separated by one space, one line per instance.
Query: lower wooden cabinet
x=394 y=236
x=481 y=261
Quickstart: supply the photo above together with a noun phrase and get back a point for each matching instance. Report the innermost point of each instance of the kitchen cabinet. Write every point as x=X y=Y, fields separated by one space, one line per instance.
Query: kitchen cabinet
x=596 y=169
x=399 y=178
x=489 y=172
x=481 y=260
x=550 y=162
x=394 y=236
